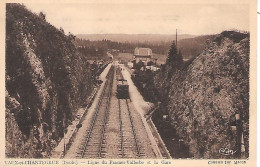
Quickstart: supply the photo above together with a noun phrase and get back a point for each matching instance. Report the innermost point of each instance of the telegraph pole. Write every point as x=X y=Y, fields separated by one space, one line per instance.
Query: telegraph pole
x=176 y=38
x=64 y=143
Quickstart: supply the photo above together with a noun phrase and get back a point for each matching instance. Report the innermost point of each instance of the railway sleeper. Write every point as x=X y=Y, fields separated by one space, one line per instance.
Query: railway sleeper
x=129 y=146
x=103 y=143
x=127 y=139
x=121 y=155
x=102 y=147
x=91 y=155
x=92 y=144
x=103 y=152
x=141 y=153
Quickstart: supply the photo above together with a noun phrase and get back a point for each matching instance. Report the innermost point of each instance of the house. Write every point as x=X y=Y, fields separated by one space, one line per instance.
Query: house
x=142 y=54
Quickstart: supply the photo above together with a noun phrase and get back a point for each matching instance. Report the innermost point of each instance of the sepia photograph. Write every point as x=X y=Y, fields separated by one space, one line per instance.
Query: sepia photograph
x=134 y=81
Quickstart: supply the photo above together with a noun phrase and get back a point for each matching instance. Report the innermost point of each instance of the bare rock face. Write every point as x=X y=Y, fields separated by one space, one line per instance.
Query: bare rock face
x=204 y=97
x=46 y=81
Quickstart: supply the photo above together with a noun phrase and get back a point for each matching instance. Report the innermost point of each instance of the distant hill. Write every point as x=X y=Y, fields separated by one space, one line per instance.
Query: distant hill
x=153 y=38
x=192 y=47
x=189 y=45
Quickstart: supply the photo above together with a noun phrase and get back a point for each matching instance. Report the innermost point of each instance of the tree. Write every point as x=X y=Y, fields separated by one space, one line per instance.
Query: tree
x=174 y=58
x=62 y=30
x=179 y=57
x=149 y=63
x=42 y=16
x=71 y=36
x=139 y=65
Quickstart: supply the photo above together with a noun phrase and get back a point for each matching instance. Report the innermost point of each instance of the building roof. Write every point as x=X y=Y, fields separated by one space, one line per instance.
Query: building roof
x=142 y=56
x=142 y=52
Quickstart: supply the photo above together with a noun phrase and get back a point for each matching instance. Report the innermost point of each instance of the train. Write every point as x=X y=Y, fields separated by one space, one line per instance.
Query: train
x=122 y=88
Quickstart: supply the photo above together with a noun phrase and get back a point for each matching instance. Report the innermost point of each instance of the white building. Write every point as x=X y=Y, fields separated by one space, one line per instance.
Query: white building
x=142 y=54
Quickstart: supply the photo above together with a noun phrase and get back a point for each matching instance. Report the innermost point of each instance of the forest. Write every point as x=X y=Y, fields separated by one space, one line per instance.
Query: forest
x=189 y=47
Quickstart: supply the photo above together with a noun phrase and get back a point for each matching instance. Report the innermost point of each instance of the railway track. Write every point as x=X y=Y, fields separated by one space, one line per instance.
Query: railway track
x=92 y=147
x=114 y=130
x=130 y=147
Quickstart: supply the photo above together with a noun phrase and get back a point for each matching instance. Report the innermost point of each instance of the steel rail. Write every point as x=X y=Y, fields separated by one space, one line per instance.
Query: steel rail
x=121 y=130
x=133 y=130
x=106 y=114
x=94 y=119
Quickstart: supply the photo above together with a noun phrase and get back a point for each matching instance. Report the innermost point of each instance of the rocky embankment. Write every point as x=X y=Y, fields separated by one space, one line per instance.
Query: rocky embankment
x=46 y=82
x=203 y=97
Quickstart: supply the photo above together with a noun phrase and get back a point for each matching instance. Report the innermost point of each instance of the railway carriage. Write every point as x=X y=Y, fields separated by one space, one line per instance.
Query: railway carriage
x=122 y=89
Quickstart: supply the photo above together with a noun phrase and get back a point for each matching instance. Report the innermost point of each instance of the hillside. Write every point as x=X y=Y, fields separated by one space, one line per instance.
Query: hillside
x=192 y=47
x=134 y=38
x=46 y=82
x=202 y=98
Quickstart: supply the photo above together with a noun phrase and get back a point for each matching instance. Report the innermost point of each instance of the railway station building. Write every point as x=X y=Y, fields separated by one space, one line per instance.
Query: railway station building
x=142 y=54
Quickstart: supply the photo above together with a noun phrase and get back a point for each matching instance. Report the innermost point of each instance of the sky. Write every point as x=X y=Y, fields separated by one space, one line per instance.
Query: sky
x=96 y=18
